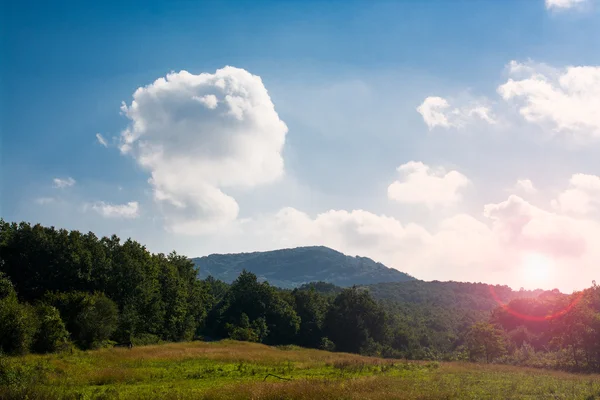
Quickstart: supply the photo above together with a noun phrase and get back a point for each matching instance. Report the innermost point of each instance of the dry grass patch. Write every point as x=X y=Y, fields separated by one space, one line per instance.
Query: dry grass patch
x=237 y=370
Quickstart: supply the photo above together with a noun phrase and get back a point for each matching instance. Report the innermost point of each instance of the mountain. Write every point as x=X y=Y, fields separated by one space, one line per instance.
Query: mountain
x=289 y=268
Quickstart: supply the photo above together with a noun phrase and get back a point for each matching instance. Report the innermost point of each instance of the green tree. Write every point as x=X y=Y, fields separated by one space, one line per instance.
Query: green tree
x=242 y=330
x=485 y=341
x=311 y=308
x=51 y=333
x=18 y=322
x=257 y=300
x=90 y=318
x=353 y=319
x=97 y=320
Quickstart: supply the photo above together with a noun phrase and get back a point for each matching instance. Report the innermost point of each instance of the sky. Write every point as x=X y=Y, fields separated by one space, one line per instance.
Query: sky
x=452 y=140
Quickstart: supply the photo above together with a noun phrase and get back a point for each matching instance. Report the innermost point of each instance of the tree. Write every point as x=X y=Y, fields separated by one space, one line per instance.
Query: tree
x=311 y=308
x=97 y=320
x=90 y=318
x=353 y=319
x=18 y=322
x=18 y=326
x=51 y=333
x=243 y=331
x=485 y=341
x=259 y=302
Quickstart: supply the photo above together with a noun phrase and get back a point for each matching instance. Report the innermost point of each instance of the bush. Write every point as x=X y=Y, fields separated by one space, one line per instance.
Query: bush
x=145 y=339
x=371 y=348
x=18 y=325
x=97 y=320
x=244 y=334
x=7 y=289
x=51 y=334
x=327 y=344
x=90 y=318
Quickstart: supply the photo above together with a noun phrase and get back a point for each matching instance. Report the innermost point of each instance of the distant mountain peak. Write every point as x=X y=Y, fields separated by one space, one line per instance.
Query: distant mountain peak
x=293 y=267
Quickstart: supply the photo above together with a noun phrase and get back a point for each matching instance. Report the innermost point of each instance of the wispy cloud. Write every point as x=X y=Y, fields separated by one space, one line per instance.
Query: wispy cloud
x=45 y=200
x=61 y=183
x=101 y=140
x=563 y=4
x=107 y=210
x=437 y=112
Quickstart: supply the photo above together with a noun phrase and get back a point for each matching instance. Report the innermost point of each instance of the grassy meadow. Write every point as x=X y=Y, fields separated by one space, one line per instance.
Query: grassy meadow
x=241 y=370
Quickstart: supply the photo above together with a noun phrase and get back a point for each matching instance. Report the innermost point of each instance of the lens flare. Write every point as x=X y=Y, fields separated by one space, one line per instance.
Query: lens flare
x=527 y=317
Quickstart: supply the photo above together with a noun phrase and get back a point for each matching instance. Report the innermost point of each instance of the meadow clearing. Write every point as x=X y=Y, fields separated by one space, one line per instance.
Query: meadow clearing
x=242 y=370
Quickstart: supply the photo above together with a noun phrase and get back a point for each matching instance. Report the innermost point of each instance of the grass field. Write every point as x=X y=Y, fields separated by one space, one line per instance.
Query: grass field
x=238 y=370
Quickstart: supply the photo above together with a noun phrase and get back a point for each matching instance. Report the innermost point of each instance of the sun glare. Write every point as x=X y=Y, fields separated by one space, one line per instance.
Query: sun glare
x=537 y=269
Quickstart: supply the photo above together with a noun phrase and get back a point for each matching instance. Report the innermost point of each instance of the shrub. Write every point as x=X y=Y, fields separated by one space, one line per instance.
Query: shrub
x=327 y=344
x=97 y=320
x=18 y=325
x=51 y=334
x=145 y=339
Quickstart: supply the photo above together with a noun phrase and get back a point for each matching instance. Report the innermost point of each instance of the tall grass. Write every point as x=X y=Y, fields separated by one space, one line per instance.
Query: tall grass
x=239 y=370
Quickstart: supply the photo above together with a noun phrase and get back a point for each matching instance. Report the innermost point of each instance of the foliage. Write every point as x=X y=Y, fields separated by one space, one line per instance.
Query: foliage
x=258 y=309
x=18 y=325
x=353 y=319
x=51 y=334
x=97 y=320
x=311 y=308
x=485 y=341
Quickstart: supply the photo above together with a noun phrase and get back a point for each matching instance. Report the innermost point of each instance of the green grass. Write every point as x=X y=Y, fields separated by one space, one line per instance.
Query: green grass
x=238 y=370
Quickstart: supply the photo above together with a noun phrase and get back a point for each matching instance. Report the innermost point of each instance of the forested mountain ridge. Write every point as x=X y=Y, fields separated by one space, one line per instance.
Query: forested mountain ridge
x=288 y=268
x=62 y=288
x=463 y=295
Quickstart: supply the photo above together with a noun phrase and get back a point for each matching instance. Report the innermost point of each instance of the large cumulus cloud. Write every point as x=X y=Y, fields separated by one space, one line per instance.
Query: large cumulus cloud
x=200 y=135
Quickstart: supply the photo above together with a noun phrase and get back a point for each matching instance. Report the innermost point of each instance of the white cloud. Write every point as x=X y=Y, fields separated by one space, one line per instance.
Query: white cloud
x=61 y=183
x=563 y=4
x=437 y=112
x=522 y=226
x=199 y=135
x=582 y=196
x=461 y=247
x=210 y=101
x=424 y=185
x=355 y=232
x=526 y=186
x=101 y=140
x=128 y=210
x=566 y=100
x=45 y=200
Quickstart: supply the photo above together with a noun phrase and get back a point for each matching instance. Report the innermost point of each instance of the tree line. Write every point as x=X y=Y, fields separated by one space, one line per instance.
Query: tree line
x=60 y=289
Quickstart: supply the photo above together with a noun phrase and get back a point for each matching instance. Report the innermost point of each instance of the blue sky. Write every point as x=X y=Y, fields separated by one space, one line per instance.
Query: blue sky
x=495 y=179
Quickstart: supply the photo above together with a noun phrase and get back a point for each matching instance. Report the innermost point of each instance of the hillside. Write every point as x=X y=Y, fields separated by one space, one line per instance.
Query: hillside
x=289 y=268
x=459 y=295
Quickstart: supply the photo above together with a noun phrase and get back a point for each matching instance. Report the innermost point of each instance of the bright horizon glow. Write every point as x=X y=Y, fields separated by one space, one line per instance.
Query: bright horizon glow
x=537 y=270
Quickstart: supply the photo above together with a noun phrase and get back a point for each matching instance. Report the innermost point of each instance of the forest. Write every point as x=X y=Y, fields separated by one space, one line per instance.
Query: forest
x=62 y=289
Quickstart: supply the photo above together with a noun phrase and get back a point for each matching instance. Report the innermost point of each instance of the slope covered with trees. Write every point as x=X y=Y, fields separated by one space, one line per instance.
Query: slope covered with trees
x=61 y=288
x=289 y=268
